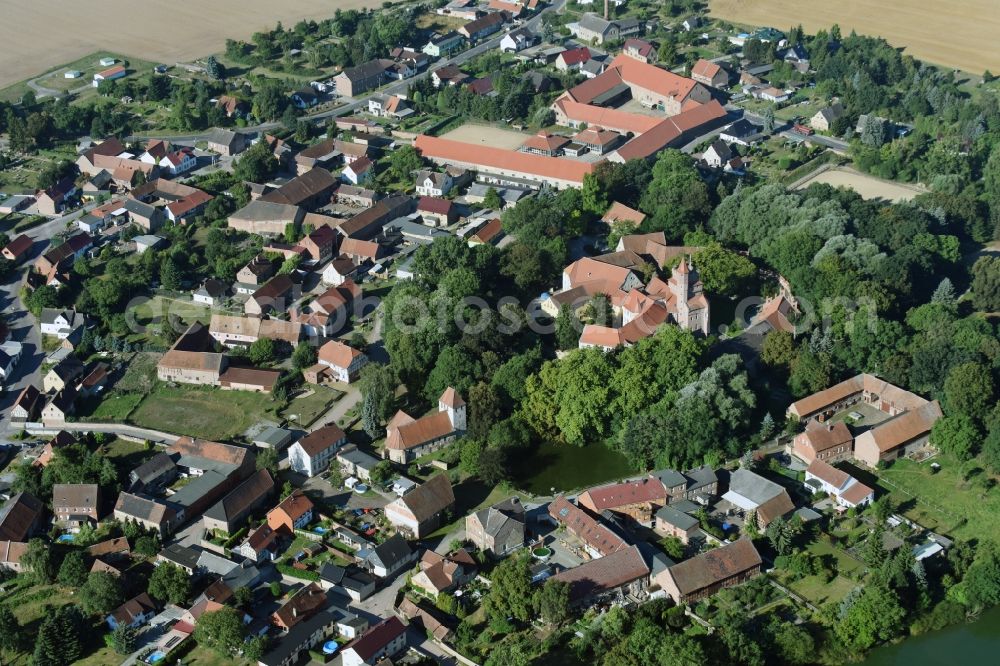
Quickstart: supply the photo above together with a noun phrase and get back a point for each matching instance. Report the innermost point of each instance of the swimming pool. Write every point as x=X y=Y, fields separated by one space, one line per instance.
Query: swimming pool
x=66 y=538
x=156 y=657
x=319 y=529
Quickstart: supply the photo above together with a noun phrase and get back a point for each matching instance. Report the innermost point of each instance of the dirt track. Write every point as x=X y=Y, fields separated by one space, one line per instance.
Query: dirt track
x=40 y=34
x=960 y=34
x=867 y=186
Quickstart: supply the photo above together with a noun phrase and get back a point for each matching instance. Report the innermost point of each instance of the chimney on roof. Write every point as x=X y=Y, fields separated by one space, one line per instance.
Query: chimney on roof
x=829 y=426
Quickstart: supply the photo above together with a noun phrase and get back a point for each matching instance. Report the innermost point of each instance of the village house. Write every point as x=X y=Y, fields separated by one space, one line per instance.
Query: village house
x=11 y=553
x=355 y=462
x=257 y=272
x=593 y=28
x=154 y=475
x=75 y=504
x=385 y=639
x=497 y=529
x=641 y=50
x=313 y=189
x=212 y=292
x=275 y=296
x=60 y=440
x=342 y=362
x=517 y=40
x=897 y=437
x=442 y=45
x=742 y=132
x=323 y=154
x=62 y=256
x=135 y=612
x=408 y=438
x=570 y=60
x=18 y=249
x=261 y=545
x=544 y=143
x=192 y=359
x=711 y=74
x=234 y=331
x=305 y=636
x=59 y=407
x=751 y=492
x=830 y=442
x=53 y=200
x=437 y=212
x=312 y=454
x=229 y=513
x=390 y=557
x=624 y=571
x=865 y=389
x=838 y=484
x=353 y=581
x=294 y=512
x=339 y=271
x=27 y=405
x=308 y=600
x=358 y=172
x=177 y=202
x=718 y=155
x=444 y=573
x=226 y=142
x=421 y=511
x=21 y=517
x=706 y=573
x=638 y=500
x=265 y=217
x=597 y=539
x=151 y=514
x=484 y=26
x=366 y=76
x=823 y=120
x=433 y=183
x=319 y=244
x=672 y=522
x=63 y=374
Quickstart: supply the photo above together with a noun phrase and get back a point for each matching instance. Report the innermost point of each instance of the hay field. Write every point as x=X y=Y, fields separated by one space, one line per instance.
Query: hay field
x=869 y=187
x=38 y=35
x=486 y=135
x=960 y=34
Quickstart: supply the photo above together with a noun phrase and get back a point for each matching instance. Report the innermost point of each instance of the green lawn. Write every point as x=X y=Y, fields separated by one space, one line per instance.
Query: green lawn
x=208 y=413
x=203 y=656
x=307 y=408
x=945 y=501
x=116 y=406
x=128 y=455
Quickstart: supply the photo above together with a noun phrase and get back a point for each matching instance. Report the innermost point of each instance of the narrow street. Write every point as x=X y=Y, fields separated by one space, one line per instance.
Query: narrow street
x=23 y=327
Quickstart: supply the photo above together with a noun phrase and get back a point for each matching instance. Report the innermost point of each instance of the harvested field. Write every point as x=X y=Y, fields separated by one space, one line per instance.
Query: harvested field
x=869 y=187
x=41 y=34
x=958 y=34
x=494 y=137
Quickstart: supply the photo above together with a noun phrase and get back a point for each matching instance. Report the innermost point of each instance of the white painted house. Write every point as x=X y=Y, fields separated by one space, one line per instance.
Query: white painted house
x=847 y=491
x=344 y=362
x=312 y=454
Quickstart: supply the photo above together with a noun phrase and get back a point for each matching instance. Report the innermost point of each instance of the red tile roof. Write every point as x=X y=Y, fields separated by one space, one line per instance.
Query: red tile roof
x=575 y=56
x=622 y=494
x=585 y=527
x=460 y=153
x=338 y=354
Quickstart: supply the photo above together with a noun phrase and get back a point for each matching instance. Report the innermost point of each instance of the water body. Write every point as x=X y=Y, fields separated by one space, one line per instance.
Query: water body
x=567 y=467
x=974 y=643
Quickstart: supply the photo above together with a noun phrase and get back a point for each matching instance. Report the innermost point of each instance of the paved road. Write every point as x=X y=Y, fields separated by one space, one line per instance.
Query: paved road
x=21 y=323
x=121 y=429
